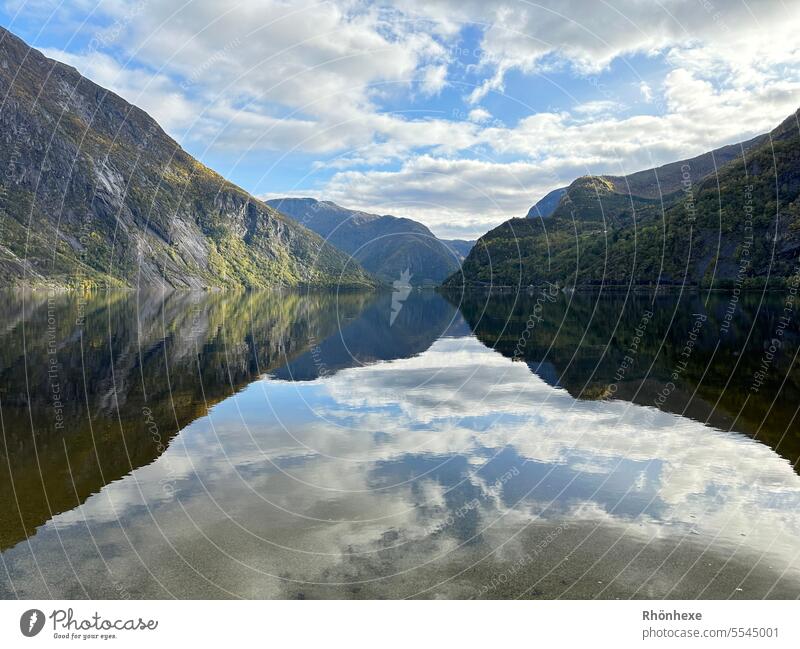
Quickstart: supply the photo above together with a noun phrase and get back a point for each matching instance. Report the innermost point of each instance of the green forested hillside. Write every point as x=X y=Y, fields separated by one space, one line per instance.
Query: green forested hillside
x=735 y=227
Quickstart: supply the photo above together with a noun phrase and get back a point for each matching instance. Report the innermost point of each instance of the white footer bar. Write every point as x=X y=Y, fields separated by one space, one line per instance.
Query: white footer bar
x=406 y=624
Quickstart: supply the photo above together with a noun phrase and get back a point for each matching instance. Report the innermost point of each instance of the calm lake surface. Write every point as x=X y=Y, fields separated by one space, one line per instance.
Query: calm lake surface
x=261 y=445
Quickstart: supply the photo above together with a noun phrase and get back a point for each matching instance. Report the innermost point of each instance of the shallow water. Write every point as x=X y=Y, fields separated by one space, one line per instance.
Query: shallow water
x=285 y=446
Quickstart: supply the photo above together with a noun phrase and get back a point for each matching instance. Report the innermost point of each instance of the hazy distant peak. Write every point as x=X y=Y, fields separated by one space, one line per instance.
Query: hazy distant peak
x=385 y=245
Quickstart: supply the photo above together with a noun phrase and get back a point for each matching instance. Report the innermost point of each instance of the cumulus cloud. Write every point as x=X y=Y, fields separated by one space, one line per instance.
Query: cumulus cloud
x=589 y=35
x=456 y=197
x=479 y=115
x=597 y=107
x=434 y=78
x=647 y=91
x=466 y=196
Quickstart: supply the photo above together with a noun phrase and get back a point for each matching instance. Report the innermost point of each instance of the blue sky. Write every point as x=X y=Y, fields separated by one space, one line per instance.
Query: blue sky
x=457 y=113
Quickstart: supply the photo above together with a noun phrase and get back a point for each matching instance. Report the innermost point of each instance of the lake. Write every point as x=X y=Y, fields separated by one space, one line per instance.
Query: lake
x=314 y=445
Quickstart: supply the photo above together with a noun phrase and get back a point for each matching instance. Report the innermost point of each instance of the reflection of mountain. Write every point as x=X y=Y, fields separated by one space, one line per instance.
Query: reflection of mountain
x=581 y=344
x=135 y=372
x=423 y=317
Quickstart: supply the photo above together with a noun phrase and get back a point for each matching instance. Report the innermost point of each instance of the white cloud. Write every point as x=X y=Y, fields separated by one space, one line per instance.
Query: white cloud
x=467 y=196
x=455 y=197
x=326 y=61
x=479 y=115
x=598 y=107
x=434 y=79
x=588 y=35
x=312 y=78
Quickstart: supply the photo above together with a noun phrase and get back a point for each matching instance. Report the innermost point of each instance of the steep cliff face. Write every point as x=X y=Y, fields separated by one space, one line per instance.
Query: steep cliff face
x=94 y=191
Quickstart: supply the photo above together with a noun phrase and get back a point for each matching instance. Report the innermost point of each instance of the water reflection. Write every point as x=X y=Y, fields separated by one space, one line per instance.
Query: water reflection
x=325 y=451
x=92 y=391
x=588 y=343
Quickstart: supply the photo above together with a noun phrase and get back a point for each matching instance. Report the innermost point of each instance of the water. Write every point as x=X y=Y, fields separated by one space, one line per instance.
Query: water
x=262 y=445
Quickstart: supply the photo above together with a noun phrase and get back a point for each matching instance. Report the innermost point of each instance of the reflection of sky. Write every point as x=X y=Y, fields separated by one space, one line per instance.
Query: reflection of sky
x=384 y=453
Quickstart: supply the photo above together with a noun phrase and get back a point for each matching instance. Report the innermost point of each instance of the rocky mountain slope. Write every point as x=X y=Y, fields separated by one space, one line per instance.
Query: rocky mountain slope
x=93 y=191
x=726 y=219
x=384 y=245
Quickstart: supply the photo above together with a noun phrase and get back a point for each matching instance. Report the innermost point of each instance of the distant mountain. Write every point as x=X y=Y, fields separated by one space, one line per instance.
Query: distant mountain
x=459 y=246
x=384 y=245
x=728 y=218
x=95 y=192
x=547 y=205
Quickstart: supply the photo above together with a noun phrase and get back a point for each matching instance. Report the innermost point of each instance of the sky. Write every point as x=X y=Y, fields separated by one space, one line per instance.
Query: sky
x=457 y=113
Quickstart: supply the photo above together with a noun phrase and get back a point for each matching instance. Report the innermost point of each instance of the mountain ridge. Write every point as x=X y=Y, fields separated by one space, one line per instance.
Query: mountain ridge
x=731 y=225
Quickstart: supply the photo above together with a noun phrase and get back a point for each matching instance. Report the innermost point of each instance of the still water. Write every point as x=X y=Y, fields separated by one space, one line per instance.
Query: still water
x=261 y=445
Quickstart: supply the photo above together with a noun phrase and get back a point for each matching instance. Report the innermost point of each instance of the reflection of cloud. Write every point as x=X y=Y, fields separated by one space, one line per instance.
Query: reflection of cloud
x=305 y=478
x=469 y=398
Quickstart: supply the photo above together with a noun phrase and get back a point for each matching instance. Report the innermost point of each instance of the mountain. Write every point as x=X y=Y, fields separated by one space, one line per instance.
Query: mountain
x=669 y=178
x=384 y=245
x=726 y=219
x=652 y=183
x=547 y=205
x=460 y=247
x=95 y=192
